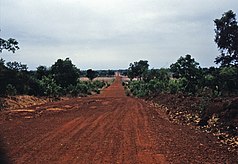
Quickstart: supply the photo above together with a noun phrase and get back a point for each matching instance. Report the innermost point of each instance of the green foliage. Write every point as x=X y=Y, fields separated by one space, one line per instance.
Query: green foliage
x=187 y=68
x=84 y=88
x=64 y=72
x=62 y=78
x=91 y=74
x=34 y=86
x=59 y=80
x=188 y=79
x=138 y=69
x=110 y=72
x=17 y=75
x=210 y=79
x=175 y=86
x=81 y=89
x=150 y=74
x=138 y=88
x=229 y=77
x=50 y=88
x=143 y=89
x=16 y=66
x=41 y=71
x=226 y=38
x=9 y=45
x=10 y=90
x=99 y=84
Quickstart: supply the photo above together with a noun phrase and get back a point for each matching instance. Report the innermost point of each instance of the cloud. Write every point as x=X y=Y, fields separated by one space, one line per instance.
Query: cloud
x=104 y=34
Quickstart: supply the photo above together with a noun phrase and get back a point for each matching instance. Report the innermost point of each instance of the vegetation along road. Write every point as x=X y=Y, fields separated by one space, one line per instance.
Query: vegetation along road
x=105 y=128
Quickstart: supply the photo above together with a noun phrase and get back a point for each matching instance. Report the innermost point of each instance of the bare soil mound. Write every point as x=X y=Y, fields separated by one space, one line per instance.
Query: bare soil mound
x=218 y=116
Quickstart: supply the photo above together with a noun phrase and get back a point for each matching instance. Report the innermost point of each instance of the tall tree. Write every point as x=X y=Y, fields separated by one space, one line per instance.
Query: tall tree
x=138 y=69
x=226 y=38
x=187 y=68
x=64 y=72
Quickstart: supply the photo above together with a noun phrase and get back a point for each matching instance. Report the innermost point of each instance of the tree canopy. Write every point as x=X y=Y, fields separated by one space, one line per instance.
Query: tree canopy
x=10 y=45
x=138 y=69
x=226 y=38
x=64 y=72
x=91 y=74
x=186 y=68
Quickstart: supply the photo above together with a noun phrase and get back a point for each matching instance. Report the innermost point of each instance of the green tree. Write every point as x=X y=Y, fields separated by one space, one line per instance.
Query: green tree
x=210 y=79
x=110 y=73
x=229 y=78
x=10 y=45
x=175 y=85
x=34 y=86
x=6 y=77
x=41 y=71
x=138 y=69
x=187 y=68
x=64 y=72
x=11 y=90
x=226 y=38
x=2 y=65
x=91 y=74
x=16 y=66
x=163 y=74
x=51 y=89
x=16 y=74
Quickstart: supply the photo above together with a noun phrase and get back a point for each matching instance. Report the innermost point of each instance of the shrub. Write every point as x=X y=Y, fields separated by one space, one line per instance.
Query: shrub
x=10 y=90
x=99 y=84
x=51 y=89
x=174 y=86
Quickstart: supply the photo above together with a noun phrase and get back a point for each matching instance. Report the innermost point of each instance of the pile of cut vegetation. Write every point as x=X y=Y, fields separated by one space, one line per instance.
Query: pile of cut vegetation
x=13 y=102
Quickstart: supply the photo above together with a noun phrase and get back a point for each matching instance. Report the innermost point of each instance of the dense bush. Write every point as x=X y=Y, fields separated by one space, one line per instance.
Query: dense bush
x=187 y=78
x=153 y=87
x=138 y=88
x=175 y=86
x=61 y=79
x=11 y=90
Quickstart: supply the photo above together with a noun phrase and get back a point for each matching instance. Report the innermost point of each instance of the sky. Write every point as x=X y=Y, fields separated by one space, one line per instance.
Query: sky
x=111 y=34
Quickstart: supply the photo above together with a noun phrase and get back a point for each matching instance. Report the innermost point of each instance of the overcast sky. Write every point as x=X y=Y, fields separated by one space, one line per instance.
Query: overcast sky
x=110 y=34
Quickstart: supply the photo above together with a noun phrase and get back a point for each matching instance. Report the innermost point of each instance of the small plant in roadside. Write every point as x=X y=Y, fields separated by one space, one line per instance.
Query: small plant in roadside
x=202 y=106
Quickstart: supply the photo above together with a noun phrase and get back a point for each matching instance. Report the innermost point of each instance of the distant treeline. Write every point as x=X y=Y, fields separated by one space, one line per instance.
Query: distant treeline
x=104 y=73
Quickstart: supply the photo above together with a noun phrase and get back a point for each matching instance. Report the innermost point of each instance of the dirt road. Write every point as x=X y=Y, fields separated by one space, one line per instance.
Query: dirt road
x=108 y=128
